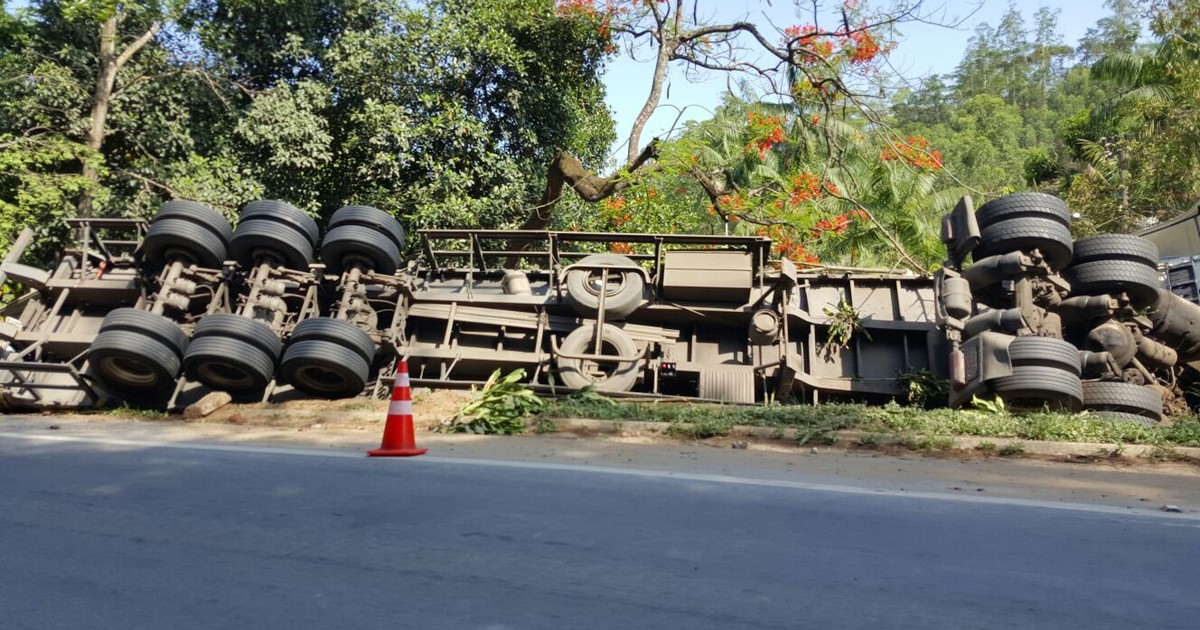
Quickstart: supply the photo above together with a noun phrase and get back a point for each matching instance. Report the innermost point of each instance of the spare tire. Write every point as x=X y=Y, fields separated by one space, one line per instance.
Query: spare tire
x=622 y=294
x=605 y=377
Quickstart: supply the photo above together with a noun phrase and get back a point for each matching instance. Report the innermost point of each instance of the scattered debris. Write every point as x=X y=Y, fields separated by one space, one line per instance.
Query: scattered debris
x=1171 y=508
x=206 y=405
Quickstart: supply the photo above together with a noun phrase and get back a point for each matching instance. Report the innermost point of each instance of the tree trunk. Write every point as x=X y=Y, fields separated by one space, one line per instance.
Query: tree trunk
x=660 y=76
x=110 y=63
x=106 y=78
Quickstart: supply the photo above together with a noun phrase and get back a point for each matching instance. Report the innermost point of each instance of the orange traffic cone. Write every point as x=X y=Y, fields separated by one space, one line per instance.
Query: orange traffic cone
x=398 y=438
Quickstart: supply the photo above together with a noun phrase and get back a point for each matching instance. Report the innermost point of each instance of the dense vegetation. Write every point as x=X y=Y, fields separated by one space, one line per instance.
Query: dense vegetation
x=448 y=113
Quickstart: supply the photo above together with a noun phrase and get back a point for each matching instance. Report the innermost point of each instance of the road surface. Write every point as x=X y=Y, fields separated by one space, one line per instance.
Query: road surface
x=104 y=533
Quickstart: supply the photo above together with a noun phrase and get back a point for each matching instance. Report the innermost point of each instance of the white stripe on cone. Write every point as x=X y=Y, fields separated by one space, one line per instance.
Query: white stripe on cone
x=400 y=408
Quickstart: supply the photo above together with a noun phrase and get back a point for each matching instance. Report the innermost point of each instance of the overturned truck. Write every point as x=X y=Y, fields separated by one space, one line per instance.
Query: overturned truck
x=157 y=313
x=1043 y=321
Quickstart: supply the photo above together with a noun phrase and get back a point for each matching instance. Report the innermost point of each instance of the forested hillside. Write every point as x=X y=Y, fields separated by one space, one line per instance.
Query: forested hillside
x=490 y=112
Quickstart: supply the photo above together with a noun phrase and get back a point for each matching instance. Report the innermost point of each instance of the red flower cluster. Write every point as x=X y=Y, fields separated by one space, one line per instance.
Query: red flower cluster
x=614 y=209
x=861 y=47
x=766 y=131
x=808 y=187
x=913 y=150
x=836 y=225
x=620 y=248
x=858 y=46
x=785 y=245
x=600 y=11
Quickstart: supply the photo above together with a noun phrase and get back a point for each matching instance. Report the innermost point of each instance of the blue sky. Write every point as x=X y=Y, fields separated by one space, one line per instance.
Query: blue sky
x=923 y=49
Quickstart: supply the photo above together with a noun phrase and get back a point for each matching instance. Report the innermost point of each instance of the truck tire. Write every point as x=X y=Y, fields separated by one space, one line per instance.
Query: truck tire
x=1100 y=277
x=1026 y=204
x=199 y=214
x=1121 y=397
x=1117 y=416
x=1037 y=387
x=227 y=364
x=146 y=324
x=128 y=360
x=260 y=241
x=186 y=231
x=1045 y=352
x=607 y=377
x=1049 y=236
x=348 y=245
x=622 y=296
x=324 y=368
x=1115 y=247
x=369 y=217
x=244 y=329
x=335 y=331
x=282 y=213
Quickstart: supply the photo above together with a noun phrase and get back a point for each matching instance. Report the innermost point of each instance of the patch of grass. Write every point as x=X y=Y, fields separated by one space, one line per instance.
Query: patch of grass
x=986 y=446
x=701 y=428
x=870 y=440
x=928 y=443
x=815 y=421
x=139 y=414
x=544 y=425
x=1012 y=448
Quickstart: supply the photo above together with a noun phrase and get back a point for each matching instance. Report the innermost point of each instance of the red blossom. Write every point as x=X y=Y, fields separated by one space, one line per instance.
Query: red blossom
x=914 y=151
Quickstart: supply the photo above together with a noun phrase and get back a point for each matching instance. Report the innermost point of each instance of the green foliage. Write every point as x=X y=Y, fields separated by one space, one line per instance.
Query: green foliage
x=1010 y=449
x=444 y=113
x=844 y=324
x=500 y=407
x=891 y=419
x=926 y=389
x=994 y=406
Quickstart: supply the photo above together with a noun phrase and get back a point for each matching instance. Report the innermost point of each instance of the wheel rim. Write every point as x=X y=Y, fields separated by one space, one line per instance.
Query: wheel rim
x=319 y=378
x=222 y=375
x=129 y=371
x=597 y=372
x=594 y=282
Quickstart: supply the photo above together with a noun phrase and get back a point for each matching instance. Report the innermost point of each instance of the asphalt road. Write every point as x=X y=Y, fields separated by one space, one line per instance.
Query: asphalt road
x=96 y=535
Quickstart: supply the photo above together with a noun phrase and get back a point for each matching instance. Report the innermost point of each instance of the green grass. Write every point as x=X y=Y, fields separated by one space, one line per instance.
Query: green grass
x=812 y=421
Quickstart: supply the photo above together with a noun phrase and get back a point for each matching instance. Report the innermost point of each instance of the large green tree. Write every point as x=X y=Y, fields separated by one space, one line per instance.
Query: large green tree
x=443 y=111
